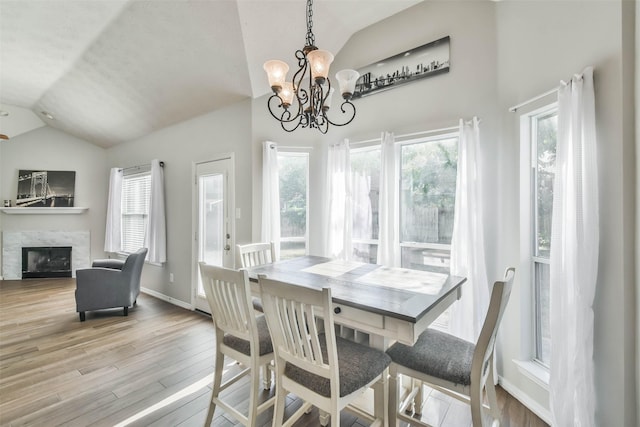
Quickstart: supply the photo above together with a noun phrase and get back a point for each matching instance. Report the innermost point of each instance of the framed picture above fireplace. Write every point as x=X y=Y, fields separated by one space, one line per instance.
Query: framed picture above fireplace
x=41 y=188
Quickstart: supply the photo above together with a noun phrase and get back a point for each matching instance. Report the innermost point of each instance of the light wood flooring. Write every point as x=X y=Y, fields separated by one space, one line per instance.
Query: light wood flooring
x=152 y=368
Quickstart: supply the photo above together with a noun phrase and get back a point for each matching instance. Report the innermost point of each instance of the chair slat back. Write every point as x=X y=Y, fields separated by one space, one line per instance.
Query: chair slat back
x=497 y=304
x=255 y=254
x=296 y=317
x=229 y=297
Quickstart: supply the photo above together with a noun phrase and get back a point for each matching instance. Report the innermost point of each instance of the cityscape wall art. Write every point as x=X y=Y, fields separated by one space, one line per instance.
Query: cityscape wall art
x=427 y=60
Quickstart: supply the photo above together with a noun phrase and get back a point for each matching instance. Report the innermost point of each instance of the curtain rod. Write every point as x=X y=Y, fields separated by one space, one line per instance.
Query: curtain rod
x=140 y=166
x=547 y=93
x=408 y=135
x=289 y=147
x=535 y=98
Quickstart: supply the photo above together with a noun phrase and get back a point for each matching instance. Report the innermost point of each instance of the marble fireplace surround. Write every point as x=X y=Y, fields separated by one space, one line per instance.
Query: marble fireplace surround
x=14 y=241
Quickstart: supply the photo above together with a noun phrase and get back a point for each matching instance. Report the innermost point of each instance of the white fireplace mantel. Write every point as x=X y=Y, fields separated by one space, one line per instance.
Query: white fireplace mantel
x=42 y=210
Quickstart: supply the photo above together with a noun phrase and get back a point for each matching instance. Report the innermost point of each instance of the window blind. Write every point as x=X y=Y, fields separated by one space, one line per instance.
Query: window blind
x=136 y=190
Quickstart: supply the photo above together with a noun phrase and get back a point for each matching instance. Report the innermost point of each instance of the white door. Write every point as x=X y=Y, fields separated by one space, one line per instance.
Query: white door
x=214 y=227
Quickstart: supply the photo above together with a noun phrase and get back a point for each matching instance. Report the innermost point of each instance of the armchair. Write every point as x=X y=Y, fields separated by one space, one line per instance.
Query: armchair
x=109 y=284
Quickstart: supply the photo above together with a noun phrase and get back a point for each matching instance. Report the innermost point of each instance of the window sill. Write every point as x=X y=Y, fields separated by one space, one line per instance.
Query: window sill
x=123 y=256
x=534 y=371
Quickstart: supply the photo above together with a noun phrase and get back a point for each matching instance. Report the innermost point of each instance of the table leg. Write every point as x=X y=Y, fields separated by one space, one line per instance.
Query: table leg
x=381 y=388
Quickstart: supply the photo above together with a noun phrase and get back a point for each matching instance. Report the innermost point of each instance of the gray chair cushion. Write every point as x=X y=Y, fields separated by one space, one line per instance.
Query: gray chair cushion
x=357 y=364
x=437 y=354
x=257 y=304
x=115 y=264
x=243 y=346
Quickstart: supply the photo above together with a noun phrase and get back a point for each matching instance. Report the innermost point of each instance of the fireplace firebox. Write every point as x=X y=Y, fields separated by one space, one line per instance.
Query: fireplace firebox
x=43 y=262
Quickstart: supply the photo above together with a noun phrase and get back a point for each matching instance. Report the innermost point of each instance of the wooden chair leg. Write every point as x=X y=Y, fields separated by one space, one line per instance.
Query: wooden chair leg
x=266 y=376
x=475 y=399
x=217 y=381
x=394 y=391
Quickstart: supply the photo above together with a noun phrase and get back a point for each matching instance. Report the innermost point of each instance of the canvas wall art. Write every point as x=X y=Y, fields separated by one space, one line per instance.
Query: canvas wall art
x=38 y=188
x=427 y=60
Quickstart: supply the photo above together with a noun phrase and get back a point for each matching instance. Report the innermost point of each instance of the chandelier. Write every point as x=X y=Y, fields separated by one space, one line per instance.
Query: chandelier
x=305 y=101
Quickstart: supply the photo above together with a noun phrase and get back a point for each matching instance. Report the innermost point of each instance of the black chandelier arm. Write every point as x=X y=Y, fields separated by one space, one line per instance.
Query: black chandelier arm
x=346 y=105
x=286 y=115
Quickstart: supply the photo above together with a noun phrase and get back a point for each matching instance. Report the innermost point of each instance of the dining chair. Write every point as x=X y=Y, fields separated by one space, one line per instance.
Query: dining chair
x=314 y=364
x=451 y=365
x=255 y=254
x=240 y=335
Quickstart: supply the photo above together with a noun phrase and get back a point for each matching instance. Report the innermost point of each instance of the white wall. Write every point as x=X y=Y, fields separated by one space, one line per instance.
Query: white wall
x=637 y=85
x=467 y=90
x=49 y=149
x=180 y=146
x=540 y=43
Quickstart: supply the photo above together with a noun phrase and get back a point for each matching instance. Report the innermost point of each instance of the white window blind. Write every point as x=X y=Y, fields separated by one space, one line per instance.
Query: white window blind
x=136 y=189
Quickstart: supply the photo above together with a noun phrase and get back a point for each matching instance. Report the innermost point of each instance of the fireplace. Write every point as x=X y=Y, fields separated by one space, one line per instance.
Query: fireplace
x=43 y=261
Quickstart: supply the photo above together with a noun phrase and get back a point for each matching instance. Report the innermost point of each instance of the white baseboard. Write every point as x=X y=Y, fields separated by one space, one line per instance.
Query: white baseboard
x=534 y=406
x=166 y=298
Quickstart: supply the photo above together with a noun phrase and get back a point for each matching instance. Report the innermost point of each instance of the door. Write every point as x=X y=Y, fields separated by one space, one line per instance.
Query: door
x=214 y=228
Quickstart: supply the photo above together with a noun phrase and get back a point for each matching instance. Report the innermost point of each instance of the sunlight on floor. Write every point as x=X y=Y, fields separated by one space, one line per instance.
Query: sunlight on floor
x=204 y=382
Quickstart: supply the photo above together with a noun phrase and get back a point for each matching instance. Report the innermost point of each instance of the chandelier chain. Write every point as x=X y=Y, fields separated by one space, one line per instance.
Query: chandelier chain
x=310 y=38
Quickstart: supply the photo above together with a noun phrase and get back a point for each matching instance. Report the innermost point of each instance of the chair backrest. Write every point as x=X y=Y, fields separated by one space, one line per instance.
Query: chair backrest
x=486 y=341
x=229 y=297
x=296 y=317
x=255 y=254
x=132 y=268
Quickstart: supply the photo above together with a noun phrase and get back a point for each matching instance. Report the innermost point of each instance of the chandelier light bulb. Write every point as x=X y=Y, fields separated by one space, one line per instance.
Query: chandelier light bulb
x=347 y=80
x=327 y=102
x=286 y=94
x=276 y=73
x=319 y=61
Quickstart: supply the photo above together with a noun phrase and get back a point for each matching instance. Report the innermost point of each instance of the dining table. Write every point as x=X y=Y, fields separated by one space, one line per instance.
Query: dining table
x=388 y=304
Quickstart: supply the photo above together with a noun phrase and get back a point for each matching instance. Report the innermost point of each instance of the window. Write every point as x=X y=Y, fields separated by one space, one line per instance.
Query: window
x=427 y=170
x=543 y=128
x=365 y=185
x=427 y=199
x=136 y=189
x=293 y=172
x=538 y=130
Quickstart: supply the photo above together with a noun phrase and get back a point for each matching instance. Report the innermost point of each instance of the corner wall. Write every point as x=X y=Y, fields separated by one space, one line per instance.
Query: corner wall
x=50 y=149
x=203 y=138
x=539 y=44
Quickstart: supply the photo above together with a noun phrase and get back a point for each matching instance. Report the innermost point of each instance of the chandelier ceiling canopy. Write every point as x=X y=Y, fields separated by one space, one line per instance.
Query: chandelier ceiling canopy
x=306 y=100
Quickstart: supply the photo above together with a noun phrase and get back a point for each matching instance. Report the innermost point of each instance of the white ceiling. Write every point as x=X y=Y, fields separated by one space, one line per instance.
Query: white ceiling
x=111 y=71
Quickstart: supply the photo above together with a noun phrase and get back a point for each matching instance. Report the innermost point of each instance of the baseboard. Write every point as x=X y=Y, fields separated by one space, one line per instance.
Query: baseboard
x=532 y=405
x=166 y=298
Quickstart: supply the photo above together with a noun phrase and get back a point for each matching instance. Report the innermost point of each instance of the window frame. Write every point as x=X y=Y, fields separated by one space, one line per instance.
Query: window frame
x=136 y=172
x=532 y=342
x=297 y=152
x=429 y=136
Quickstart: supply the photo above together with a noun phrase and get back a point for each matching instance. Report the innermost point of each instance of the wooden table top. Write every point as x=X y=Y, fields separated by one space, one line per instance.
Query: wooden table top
x=396 y=292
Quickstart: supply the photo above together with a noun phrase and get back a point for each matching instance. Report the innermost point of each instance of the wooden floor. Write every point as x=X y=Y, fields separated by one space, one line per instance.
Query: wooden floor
x=150 y=368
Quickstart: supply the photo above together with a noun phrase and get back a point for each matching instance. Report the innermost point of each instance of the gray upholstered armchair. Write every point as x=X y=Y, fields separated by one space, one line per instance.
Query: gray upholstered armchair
x=109 y=283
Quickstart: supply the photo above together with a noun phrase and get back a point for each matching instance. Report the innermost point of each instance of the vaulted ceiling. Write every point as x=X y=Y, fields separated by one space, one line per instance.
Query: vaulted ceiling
x=111 y=71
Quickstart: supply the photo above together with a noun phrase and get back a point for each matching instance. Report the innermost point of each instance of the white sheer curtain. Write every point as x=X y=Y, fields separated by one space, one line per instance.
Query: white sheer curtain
x=362 y=215
x=155 y=238
x=574 y=255
x=270 y=196
x=388 y=251
x=467 y=243
x=338 y=215
x=113 y=231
